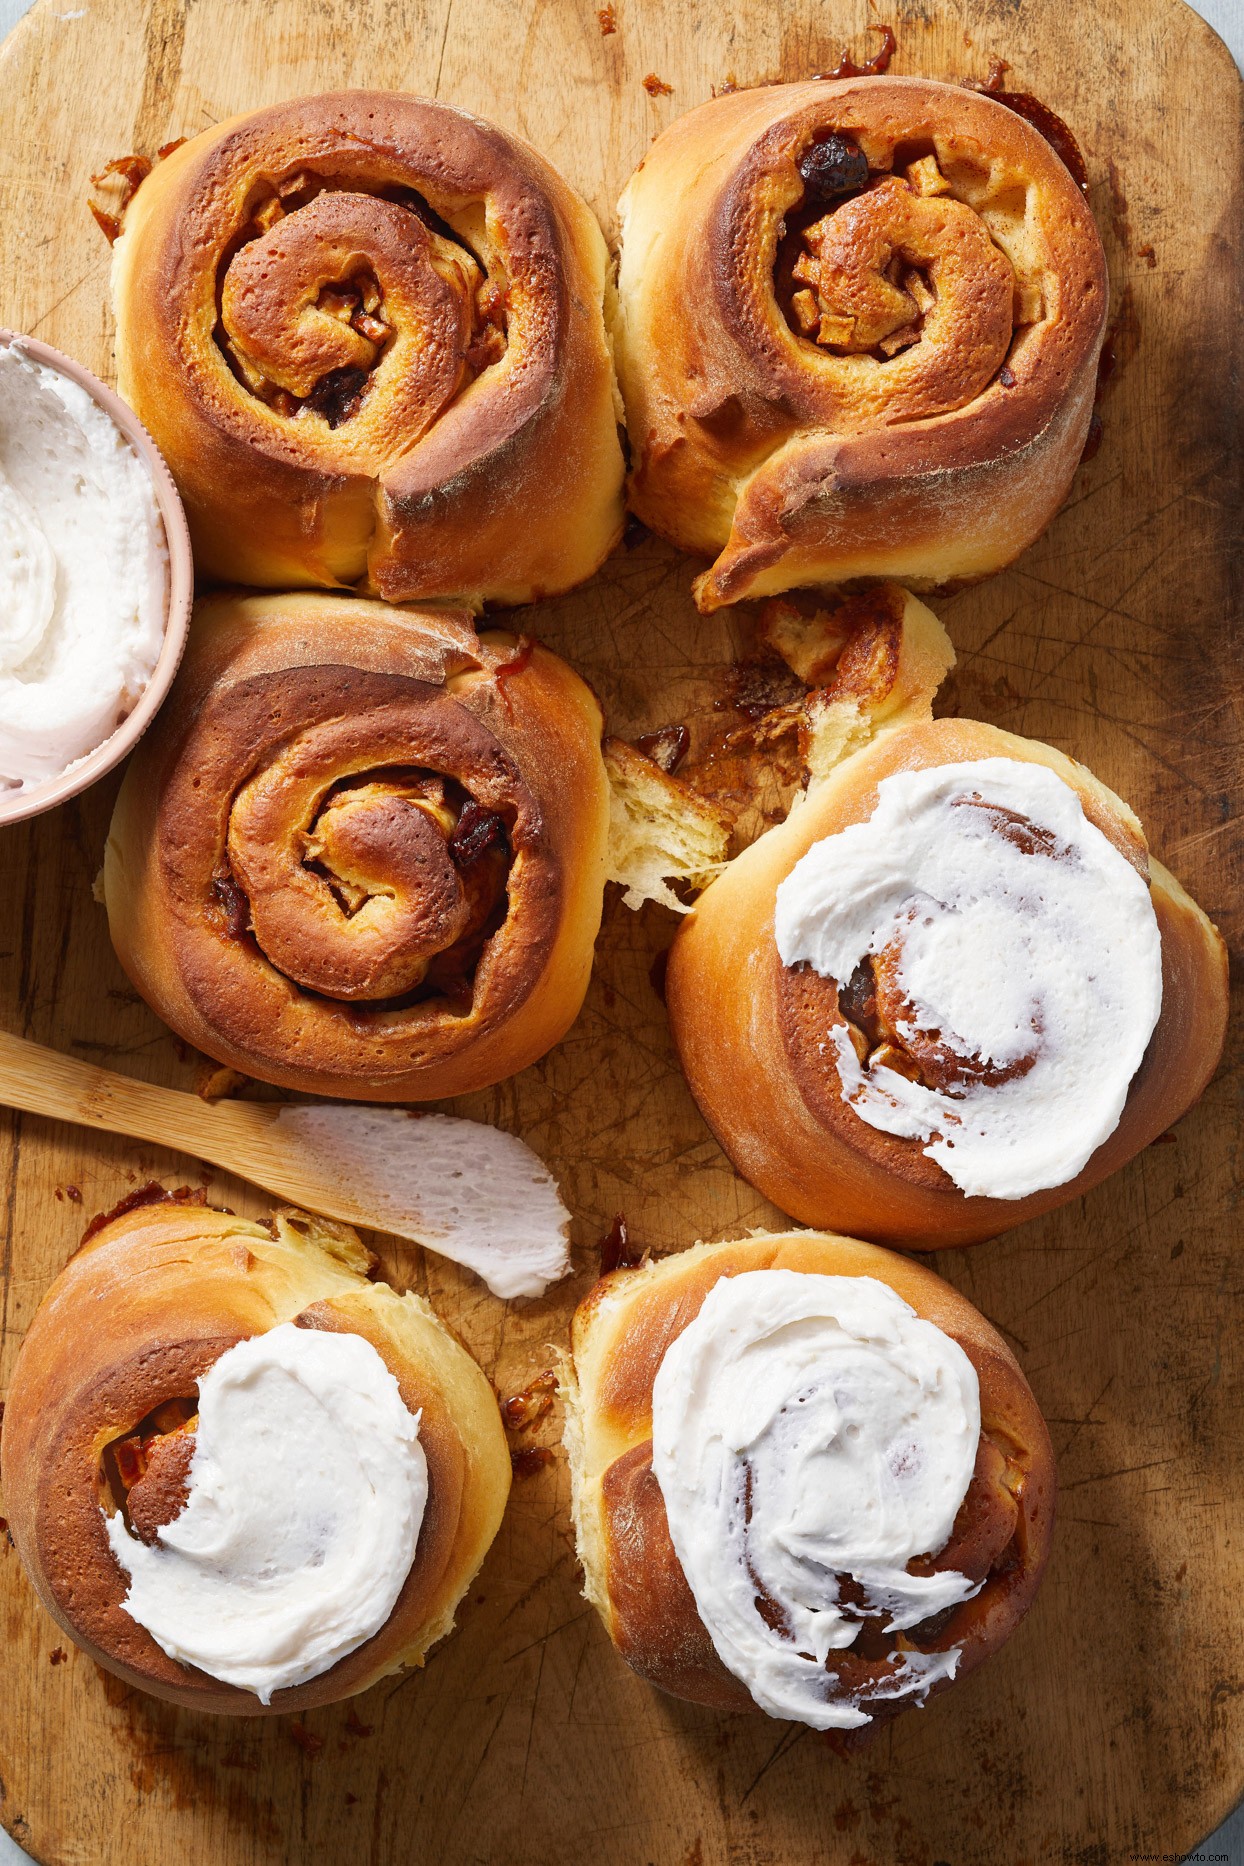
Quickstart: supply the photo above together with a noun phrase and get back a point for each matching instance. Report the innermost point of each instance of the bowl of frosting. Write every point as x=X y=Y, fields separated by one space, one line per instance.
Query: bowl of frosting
x=96 y=578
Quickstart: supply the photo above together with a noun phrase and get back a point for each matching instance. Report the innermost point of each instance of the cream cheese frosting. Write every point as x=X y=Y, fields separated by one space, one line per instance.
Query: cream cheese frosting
x=306 y=1493
x=83 y=573
x=1018 y=938
x=465 y=1189
x=806 y=1428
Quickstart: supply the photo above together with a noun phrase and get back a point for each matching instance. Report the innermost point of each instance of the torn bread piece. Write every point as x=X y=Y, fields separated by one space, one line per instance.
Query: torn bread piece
x=868 y=662
x=888 y=669
x=659 y=829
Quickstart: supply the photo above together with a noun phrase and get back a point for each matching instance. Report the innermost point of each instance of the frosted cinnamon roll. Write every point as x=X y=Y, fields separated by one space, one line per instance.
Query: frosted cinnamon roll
x=858 y=332
x=951 y=991
x=362 y=852
x=366 y=331
x=240 y=1475
x=808 y=1478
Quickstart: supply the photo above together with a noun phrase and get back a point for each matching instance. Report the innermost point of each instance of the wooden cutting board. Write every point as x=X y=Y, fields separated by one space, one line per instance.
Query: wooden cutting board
x=1113 y=1724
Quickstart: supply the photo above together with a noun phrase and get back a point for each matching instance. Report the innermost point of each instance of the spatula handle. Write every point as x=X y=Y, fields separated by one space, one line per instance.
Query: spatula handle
x=42 y=1081
x=241 y=1137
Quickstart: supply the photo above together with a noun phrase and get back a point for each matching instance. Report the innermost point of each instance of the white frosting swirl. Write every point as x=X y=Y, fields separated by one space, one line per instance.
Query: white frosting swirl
x=805 y=1428
x=1018 y=936
x=83 y=573
x=307 y=1489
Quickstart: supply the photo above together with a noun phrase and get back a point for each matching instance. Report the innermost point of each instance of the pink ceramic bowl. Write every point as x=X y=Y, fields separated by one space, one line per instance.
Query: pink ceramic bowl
x=15 y=806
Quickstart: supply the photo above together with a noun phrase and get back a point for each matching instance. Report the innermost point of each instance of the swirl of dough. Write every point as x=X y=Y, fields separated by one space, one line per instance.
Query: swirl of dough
x=353 y=891
x=294 y=314
x=858 y=332
x=348 y=860
x=809 y=1431
x=946 y=330
x=367 y=332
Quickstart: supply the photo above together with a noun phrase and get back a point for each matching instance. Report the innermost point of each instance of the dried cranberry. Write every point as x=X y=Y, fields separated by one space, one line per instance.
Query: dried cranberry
x=337 y=395
x=232 y=903
x=833 y=166
x=477 y=831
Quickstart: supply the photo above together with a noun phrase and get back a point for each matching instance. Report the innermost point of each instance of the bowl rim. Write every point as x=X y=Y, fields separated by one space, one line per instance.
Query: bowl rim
x=18 y=806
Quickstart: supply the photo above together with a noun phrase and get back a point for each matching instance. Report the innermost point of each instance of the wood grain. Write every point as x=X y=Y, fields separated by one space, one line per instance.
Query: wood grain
x=1114 y=1722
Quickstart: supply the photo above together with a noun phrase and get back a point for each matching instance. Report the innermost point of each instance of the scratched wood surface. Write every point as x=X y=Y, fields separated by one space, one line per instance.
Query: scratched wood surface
x=1113 y=1723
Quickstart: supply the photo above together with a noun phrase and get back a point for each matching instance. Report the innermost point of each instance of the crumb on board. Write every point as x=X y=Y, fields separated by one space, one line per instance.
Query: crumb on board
x=607 y=20
x=657 y=87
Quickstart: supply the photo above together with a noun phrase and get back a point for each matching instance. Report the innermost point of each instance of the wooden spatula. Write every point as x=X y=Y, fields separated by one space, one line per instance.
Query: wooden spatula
x=467 y=1190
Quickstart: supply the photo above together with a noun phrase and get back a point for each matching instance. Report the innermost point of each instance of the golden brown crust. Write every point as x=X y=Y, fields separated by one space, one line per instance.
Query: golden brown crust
x=289 y=878
x=366 y=331
x=750 y=1031
x=136 y=1317
x=796 y=460
x=620 y=1334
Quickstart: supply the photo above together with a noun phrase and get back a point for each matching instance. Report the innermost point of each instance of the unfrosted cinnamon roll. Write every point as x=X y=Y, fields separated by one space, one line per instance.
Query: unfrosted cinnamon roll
x=951 y=991
x=366 y=331
x=808 y=1477
x=362 y=851
x=240 y=1475
x=858 y=332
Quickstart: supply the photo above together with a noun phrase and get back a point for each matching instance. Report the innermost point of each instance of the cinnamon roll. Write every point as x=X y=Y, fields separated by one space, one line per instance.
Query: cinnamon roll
x=858 y=332
x=951 y=991
x=366 y=331
x=240 y=1475
x=362 y=851
x=808 y=1478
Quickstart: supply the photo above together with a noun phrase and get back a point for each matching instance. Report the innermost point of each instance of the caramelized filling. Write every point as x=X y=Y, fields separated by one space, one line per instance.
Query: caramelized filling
x=617 y=1249
x=747 y=754
x=152 y=1193
x=852 y=309
x=530 y=1460
x=523 y=1410
x=667 y=746
x=119 y=181
x=872 y=67
x=887 y=319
